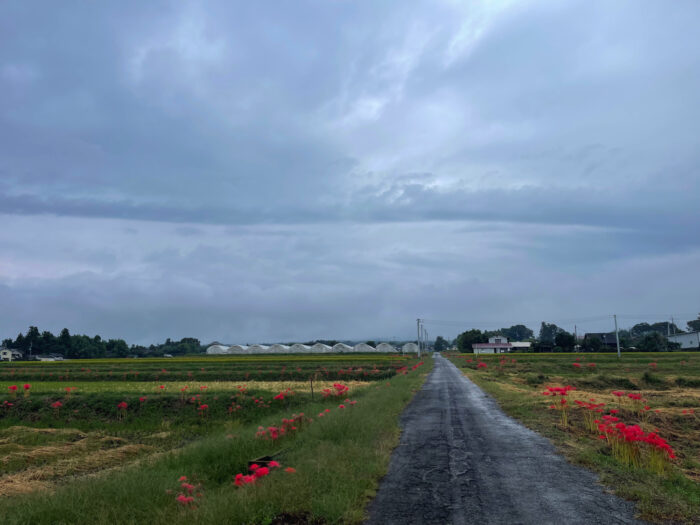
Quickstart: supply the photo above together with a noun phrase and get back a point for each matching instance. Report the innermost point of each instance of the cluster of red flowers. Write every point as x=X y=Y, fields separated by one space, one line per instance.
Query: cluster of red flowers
x=482 y=365
x=563 y=405
x=415 y=367
x=626 y=440
x=258 y=472
x=288 y=426
x=283 y=394
x=338 y=390
x=186 y=498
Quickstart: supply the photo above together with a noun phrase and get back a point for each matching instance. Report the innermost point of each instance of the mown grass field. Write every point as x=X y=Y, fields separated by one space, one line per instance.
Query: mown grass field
x=88 y=461
x=669 y=385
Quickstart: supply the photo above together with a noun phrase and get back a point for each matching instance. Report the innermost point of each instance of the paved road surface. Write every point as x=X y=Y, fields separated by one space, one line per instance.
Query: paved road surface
x=461 y=460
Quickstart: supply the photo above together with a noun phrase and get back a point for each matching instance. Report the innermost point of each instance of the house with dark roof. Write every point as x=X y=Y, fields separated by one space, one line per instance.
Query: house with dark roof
x=608 y=339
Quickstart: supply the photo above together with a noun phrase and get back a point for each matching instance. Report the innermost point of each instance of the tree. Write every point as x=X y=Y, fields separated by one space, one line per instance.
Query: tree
x=694 y=326
x=592 y=344
x=7 y=343
x=440 y=344
x=518 y=332
x=652 y=342
x=64 y=342
x=565 y=340
x=465 y=340
x=548 y=332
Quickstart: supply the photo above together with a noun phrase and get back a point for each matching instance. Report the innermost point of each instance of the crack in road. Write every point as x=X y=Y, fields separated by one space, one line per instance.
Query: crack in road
x=461 y=460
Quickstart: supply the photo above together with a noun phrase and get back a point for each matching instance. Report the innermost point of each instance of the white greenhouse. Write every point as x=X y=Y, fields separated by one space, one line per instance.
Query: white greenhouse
x=258 y=349
x=320 y=348
x=364 y=348
x=385 y=347
x=410 y=348
x=279 y=349
x=217 y=349
x=342 y=348
x=238 y=349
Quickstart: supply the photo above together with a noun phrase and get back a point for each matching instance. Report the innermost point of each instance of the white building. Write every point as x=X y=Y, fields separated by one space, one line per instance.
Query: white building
x=496 y=345
x=238 y=349
x=690 y=340
x=299 y=348
x=385 y=347
x=520 y=346
x=342 y=348
x=258 y=349
x=320 y=348
x=7 y=354
x=364 y=348
x=279 y=349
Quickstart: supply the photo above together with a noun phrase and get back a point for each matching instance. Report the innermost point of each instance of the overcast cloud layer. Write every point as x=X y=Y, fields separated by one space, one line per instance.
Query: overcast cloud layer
x=266 y=171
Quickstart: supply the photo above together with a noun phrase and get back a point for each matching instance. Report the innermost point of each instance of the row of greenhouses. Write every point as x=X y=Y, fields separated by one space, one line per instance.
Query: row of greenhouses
x=318 y=348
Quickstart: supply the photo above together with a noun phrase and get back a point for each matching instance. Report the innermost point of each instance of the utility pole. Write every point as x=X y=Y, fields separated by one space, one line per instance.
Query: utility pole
x=617 y=336
x=575 y=338
x=418 y=329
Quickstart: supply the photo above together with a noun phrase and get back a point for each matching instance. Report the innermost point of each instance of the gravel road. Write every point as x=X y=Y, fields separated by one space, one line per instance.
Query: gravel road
x=462 y=460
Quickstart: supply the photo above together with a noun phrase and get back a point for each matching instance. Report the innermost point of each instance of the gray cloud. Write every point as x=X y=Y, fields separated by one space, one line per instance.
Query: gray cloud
x=323 y=169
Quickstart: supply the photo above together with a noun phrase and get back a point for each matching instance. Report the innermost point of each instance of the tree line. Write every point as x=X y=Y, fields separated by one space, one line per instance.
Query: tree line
x=643 y=337
x=72 y=346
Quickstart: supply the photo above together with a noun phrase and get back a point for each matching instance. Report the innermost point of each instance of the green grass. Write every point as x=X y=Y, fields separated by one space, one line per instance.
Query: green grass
x=339 y=459
x=517 y=386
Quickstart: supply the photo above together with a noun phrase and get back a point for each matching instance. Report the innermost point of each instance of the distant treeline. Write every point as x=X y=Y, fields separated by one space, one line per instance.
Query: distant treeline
x=643 y=337
x=85 y=347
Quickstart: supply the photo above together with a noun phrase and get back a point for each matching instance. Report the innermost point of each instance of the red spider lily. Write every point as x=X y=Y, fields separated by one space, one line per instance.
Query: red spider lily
x=27 y=386
x=261 y=472
x=628 y=441
x=353 y=402
x=188 y=487
x=182 y=478
x=577 y=365
x=238 y=480
x=184 y=500
x=142 y=399
x=481 y=365
x=254 y=467
x=591 y=365
x=122 y=405
x=279 y=397
x=290 y=470
x=341 y=406
x=617 y=393
x=56 y=404
x=12 y=388
x=273 y=464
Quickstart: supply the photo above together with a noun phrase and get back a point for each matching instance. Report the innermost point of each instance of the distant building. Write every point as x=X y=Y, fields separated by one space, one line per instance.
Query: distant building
x=520 y=346
x=496 y=345
x=48 y=357
x=385 y=347
x=608 y=339
x=8 y=354
x=689 y=340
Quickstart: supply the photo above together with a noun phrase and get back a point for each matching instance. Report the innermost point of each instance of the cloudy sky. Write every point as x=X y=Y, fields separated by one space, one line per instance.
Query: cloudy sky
x=264 y=171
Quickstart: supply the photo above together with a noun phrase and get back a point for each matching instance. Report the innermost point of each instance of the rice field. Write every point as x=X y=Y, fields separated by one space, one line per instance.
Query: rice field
x=69 y=429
